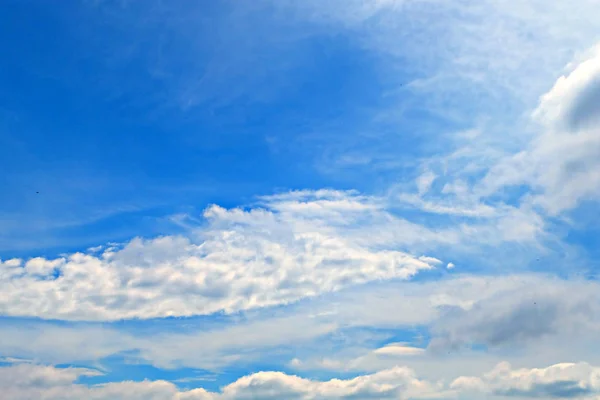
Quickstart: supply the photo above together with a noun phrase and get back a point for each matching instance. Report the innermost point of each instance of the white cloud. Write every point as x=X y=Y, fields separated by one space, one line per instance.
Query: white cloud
x=450 y=265
x=562 y=163
x=481 y=222
x=456 y=60
x=520 y=314
x=398 y=350
x=375 y=360
x=424 y=182
x=288 y=247
x=31 y=375
x=32 y=382
x=42 y=267
x=565 y=380
x=186 y=344
x=395 y=383
x=297 y=245
x=516 y=311
x=307 y=244
x=492 y=52
x=430 y=260
x=572 y=104
x=450 y=207
x=550 y=172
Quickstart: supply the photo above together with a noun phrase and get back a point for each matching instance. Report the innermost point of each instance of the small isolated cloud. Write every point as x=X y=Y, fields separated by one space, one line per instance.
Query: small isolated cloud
x=398 y=350
x=385 y=357
x=95 y=249
x=450 y=266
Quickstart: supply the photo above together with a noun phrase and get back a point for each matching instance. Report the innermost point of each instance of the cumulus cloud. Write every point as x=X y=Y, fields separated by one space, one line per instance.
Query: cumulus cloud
x=32 y=382
x=573 y=102
x=285 y=248
x=395 y=383
x=566 y=380
x=29 y=381
x=293 y=246
x=562 y=163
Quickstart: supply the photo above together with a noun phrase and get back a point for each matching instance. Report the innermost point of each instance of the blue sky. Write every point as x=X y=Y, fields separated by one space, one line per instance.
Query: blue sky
x=299 y=199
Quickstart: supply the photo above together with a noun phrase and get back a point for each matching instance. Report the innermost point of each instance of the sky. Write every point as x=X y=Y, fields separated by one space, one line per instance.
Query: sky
x=311 y=199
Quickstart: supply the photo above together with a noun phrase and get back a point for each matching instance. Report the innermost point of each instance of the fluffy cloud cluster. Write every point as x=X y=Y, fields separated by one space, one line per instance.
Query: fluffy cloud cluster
x=563 y=381
x=32 y=382
x=285 y=248
x=295 y=246
x=567 y=380
x=563 y=163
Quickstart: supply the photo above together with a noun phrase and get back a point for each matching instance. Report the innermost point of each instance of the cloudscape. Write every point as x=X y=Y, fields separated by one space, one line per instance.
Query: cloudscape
x=311 y=199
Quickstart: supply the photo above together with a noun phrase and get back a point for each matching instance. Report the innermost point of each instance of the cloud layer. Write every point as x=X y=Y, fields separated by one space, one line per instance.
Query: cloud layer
x=29 y=382
x=568 y=380
x=530 y=315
